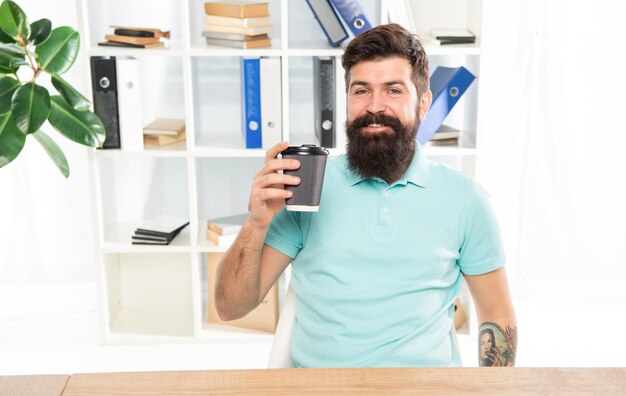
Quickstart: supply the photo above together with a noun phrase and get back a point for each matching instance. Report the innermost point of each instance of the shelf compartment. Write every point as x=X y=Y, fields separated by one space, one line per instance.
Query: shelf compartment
x=305 y=33
x=138 y=188
x=197 y=26
x=223 y=189
x=165 y=16
x=148 y=294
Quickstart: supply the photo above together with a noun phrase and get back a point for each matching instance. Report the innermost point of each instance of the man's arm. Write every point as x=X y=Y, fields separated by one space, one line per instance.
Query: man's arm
x=497 y=333
x=249 y=268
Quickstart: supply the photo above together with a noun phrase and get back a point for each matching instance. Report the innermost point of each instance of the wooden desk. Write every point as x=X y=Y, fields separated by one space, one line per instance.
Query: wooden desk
x=35 y=385
x=354 y=381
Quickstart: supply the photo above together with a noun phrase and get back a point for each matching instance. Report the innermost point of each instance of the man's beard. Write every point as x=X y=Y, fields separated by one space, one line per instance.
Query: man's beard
x=382 y=154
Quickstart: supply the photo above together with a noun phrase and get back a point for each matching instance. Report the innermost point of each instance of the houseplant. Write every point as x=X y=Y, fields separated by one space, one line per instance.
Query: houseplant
x=26 y=105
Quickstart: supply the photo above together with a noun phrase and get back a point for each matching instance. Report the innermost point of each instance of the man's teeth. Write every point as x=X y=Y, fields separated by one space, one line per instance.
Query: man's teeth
x=375 y=125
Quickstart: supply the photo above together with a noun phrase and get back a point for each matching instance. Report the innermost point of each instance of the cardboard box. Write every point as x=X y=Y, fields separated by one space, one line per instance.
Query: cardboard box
x=262 y=318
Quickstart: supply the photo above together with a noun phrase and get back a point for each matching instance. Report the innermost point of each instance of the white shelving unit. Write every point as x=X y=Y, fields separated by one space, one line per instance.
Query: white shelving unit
x=152 y=294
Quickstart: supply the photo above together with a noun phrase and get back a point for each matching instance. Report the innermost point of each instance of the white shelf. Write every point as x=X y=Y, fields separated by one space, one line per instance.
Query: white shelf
x=153 y=294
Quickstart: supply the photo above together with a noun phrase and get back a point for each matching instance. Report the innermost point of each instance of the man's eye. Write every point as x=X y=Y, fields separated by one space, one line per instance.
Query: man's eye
x=360 y=91
x=394 y=91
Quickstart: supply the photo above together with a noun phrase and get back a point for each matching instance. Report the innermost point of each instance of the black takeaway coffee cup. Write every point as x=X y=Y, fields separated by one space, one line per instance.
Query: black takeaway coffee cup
x=306 y=195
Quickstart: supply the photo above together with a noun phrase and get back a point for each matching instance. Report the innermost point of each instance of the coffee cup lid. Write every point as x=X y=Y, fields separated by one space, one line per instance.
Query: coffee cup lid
x=305 y=149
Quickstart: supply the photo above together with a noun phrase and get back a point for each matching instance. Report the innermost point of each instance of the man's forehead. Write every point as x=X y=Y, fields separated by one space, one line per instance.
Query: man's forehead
x=381 y=71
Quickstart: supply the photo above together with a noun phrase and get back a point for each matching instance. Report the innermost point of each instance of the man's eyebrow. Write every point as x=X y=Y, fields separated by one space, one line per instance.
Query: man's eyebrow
x=386 y=84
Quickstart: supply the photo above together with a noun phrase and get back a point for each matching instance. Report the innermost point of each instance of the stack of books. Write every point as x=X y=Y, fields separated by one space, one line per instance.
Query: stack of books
x=164 y=131
x=223 y=231
x=444 y=136
x=237 y=24
x=135 y=37
x=159 y=231
x=449 y=37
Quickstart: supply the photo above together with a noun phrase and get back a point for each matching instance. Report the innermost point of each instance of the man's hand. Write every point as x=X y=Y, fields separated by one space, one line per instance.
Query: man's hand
x=268 y=193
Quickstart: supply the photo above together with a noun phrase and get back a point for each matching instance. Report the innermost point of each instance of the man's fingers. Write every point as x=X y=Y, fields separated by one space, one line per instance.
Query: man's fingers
x=271 y=193
x=273 y=151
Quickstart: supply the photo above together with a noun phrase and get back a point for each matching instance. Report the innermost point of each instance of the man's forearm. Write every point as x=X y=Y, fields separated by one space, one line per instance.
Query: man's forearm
x=497 y=343
x=238 y=281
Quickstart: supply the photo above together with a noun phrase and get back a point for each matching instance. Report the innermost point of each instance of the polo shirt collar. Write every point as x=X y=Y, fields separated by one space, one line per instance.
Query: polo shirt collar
x=417 y=173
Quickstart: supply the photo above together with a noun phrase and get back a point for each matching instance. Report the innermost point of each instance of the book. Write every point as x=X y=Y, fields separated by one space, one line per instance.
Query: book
x=266 y=42
x=141 y=32
x=447 y=84
x=237 y=9
x=353 y=15
x=452 y=34
x=249 y=31
x=329 y=21
x=233 y=36
x=442 y=142
x=159 y=231
x=220 y=240
x=251 y=98
x=324 y=100
x=227 y=225
x=271 y=101
x=116 y=44
x=446 y=132
x=165 y=126
x=162 y=225
x=237 y=22
x=131 y=40
x=163 y=140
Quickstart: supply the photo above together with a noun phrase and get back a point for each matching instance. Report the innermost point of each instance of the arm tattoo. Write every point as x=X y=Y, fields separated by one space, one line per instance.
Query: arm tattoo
x=496 y=346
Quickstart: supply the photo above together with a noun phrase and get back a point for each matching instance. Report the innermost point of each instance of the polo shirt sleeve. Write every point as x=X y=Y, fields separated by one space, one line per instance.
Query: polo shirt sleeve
x=481 y=243
x=285 y=234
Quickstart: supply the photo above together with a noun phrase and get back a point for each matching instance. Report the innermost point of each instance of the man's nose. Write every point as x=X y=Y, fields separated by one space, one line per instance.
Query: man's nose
x=376 y=104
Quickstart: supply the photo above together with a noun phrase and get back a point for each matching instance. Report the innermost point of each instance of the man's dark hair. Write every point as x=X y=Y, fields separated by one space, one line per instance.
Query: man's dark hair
x=388 y=41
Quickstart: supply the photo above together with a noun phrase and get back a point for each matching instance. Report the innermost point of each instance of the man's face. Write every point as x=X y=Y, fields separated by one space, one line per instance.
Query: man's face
x=383 y=116
x=382 y=87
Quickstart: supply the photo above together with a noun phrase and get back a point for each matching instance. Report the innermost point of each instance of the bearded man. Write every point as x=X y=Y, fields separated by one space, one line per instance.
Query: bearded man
x=376 y=270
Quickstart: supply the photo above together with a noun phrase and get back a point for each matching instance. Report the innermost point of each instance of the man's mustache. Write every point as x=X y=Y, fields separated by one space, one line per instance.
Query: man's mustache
x=377 y=118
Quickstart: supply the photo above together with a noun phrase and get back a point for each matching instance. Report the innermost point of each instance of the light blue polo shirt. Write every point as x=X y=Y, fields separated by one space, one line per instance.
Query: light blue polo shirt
x=377 y=269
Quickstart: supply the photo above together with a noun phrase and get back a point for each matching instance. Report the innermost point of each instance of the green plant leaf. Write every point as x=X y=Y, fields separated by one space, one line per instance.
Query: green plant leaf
x=70 y=94
x=30 y=107
x=8 y=85
x=39 y=31
x=13 y=49
x=7 y=57
x=54 y=151
x=58 y=52
x=13 y=20
x=5 y=38
x=83 y=127
x=11 y=140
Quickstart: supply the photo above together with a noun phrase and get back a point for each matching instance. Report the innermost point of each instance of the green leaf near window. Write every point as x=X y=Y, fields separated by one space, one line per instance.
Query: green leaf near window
x=39 y=31
x=30 y=107
x=57 y=54
x=13 y=20
x=11 y=140
x=83 y=127
x=70 y=94
x=54 y=151
x=8 y=85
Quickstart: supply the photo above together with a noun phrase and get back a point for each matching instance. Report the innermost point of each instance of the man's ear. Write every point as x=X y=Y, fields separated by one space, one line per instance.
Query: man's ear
x=425 y=103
